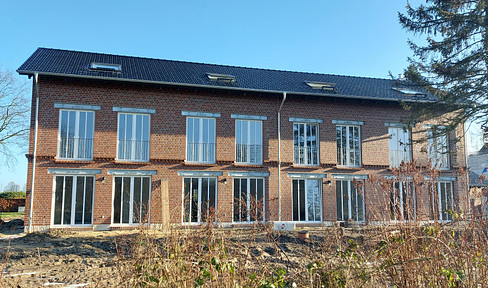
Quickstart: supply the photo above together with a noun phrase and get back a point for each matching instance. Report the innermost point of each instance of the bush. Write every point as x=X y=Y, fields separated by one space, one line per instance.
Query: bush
x=12 y=195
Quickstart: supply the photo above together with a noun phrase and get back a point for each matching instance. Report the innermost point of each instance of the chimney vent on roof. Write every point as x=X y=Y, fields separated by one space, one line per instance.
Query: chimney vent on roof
x=106 y=67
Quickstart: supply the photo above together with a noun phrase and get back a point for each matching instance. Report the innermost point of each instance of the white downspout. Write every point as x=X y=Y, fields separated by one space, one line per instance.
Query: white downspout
x=279 y=156
x=31 y=203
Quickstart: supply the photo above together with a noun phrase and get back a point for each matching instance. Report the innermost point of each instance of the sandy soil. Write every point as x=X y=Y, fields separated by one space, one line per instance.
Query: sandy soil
x=93 y=259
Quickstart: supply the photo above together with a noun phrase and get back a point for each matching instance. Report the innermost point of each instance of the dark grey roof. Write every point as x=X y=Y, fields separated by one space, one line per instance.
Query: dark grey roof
x=475 y=180
x=46 y=61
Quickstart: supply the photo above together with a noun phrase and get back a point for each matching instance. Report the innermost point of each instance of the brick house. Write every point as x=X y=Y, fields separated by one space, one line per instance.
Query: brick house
x=117 y=141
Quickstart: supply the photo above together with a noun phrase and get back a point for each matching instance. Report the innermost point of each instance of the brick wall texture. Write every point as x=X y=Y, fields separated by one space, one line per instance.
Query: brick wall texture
x=168 y=138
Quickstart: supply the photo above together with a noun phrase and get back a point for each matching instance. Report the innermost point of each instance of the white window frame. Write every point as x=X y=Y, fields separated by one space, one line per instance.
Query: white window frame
x=200 y=150
x=407 y=189
x=250 y=205
x=348 y=161
x=319 y=185
x=436 y=199
x=248 y=143
x=350 y=190
x=132 y=139
x=131 y=201
x=77 y=136
x=306 y=160
x=439 y=155
x=199 y=210
x=73 y=201
x=399 y=144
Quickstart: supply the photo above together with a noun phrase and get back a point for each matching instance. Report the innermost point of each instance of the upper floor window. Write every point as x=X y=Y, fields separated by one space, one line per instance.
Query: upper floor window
x=249 y=139
x=399 y=146
x=305 y=144
x=133 y=137
x=200 y=140
x=438 y=147
x=348 y=144
x=75 y=140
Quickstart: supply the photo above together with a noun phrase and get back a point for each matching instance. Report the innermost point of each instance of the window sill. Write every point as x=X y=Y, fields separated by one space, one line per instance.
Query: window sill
x=73 y=160
x=200 y=163
x=349 y=167
x=248 y=164
x=126 y=161
x=305 y=166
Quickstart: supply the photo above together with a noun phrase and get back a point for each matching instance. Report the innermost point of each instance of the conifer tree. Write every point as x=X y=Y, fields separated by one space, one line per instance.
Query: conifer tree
x=452 y=63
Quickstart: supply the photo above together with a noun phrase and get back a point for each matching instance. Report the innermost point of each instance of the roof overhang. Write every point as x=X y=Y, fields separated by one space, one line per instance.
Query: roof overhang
x=30 y=73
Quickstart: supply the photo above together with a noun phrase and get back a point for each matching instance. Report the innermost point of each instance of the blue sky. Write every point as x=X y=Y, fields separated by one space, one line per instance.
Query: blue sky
x=361 y=38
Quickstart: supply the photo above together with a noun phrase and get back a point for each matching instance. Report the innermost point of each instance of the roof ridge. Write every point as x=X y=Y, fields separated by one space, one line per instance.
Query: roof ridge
x=218 y=65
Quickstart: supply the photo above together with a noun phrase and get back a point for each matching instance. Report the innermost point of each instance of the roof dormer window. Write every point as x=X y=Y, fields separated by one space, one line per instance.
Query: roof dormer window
x=321 y=85
x=107 y=67
x=409 y=92
x=221 y=77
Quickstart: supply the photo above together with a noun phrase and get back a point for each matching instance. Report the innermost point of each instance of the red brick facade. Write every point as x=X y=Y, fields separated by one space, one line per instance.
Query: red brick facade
x=168 y=138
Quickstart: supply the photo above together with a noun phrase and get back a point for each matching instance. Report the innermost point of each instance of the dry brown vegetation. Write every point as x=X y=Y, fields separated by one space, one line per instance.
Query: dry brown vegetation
x=453 y=255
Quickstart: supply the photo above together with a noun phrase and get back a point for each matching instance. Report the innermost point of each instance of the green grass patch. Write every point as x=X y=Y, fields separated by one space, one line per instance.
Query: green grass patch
x=7 y=216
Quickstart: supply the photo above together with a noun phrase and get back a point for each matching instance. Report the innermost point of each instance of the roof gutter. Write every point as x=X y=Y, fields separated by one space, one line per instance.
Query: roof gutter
x=279 y=156
x=23 y=72
x=34 y=153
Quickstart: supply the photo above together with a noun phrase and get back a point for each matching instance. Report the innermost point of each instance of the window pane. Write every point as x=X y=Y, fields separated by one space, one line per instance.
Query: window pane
x=80 y=191
x=346 y=199
x=295 y=200
x=117 y=199
x=354 y=202
x=252 y=199
x=186 y=198
x=296 y=143
x=126 y=199
x=212 y=191
x=68 y=194
x=136 y=203
x=260 y=199
x=205 y=199
x=122 y=142
x=146 y=189
x=360 y=203
x=195 y=200
x=58 y=200
x=237 y=202
x=243 y=200
x=301 y=188
x=88 y=200
x=339 y=200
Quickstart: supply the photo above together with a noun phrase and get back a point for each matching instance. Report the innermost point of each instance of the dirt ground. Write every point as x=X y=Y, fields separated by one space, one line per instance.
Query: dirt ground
x=92 y=259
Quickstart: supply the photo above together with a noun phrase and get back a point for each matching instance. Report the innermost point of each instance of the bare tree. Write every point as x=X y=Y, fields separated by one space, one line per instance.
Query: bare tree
x=11 y=187
x=14 y=116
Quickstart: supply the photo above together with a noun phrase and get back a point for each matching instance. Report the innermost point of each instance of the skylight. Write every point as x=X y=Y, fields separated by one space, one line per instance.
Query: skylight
x=410 y=92
x=106 y=67
x=321 y=85
x=221 y=77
